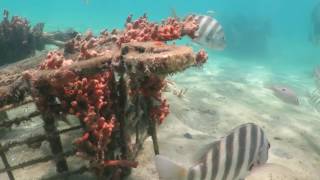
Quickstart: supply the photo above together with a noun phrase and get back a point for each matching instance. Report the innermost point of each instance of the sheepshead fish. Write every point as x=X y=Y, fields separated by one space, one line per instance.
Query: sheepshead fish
x=285 y=94
x=230 y=158
x=210 y=33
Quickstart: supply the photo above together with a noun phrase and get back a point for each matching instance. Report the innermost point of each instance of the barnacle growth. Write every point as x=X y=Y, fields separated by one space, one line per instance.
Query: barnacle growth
x=113 y=83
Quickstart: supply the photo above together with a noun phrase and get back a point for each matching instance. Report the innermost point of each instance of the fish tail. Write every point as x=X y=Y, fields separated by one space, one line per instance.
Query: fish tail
x=169 y=170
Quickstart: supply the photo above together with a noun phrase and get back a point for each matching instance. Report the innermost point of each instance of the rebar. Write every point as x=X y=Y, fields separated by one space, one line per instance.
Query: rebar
x=19 y=120
x=38 y=160
x=6 y=164
x=33 y=139
x=55 y=142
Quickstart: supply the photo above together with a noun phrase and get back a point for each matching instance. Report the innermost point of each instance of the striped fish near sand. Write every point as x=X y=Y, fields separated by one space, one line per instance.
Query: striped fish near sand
x=230 y=158
x=210 y=33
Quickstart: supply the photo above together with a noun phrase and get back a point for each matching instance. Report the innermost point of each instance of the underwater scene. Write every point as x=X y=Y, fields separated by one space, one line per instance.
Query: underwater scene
x=170 y=90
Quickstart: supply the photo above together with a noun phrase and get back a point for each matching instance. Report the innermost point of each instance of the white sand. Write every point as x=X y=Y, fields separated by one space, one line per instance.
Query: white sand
x=218 y=100
x=220 y=97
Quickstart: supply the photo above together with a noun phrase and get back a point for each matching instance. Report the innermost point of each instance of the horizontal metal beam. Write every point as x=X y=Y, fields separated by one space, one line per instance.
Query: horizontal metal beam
x=38 y=160
x=12 y=106
x=18 y=120
x=33 y=139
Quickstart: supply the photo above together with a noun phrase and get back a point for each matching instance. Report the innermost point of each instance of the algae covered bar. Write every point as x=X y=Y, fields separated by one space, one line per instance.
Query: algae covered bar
x=113 y=84
x=20 y=40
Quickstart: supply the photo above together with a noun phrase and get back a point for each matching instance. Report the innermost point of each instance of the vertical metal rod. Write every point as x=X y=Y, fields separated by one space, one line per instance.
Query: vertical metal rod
x=6 y=164
x=152 y=126
x=55 y=142
x=122 y=100
x=154 y=137
x=3 y=116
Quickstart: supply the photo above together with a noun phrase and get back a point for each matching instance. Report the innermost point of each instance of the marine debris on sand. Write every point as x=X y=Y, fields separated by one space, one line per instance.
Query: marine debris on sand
x=112 y=83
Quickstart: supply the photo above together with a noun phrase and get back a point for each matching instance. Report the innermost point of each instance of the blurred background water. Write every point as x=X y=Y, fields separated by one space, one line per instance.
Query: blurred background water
x=267 y=41
x=271 y=33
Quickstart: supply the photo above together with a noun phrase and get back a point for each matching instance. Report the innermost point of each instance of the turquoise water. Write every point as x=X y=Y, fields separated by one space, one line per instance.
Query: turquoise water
x=290 y=21
x=279 y=52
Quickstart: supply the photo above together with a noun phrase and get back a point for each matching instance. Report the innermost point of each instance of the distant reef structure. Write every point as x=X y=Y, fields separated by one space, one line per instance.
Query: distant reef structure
x=20 y=40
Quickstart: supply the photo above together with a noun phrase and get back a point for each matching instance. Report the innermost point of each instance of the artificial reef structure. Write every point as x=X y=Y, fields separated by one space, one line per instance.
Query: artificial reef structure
x=20 y=40
x=112 y=83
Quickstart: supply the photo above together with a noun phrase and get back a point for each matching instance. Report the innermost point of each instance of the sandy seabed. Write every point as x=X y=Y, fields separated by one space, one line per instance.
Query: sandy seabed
x=222 y=97
x=219 y=97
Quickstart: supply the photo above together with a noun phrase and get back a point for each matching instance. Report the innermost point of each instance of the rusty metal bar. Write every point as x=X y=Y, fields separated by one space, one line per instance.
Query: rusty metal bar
x=54 y=141
x=38 y=160
x=69 y=129
x=3 y=116
x=152 y=131
x=33 y=139
x=12 y=106
x=6 y=164
x=18 y=120
x=122 y=96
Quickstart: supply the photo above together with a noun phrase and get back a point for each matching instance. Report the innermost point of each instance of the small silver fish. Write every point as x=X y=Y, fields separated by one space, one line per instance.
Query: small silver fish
x=317 y=72
x=285 y=94
x=314 y=99
x=230 y=158
x=210 y=33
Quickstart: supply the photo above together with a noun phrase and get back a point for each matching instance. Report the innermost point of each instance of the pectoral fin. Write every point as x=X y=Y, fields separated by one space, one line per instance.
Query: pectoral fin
x=169 y=170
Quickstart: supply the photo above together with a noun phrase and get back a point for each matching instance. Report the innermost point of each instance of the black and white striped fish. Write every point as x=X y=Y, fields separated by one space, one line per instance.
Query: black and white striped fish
x=230 y=158
x=210 y=33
